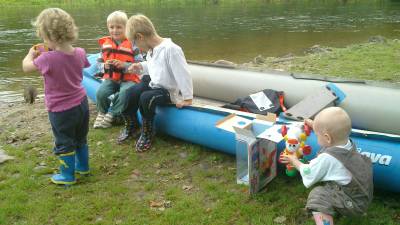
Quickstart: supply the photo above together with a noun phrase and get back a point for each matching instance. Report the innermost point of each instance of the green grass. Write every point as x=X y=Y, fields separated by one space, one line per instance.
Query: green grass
x=197 y=184
x=367 y=61
x=123 y=183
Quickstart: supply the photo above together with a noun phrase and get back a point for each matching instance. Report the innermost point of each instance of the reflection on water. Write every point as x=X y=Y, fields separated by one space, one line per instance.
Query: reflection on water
x=236 y=31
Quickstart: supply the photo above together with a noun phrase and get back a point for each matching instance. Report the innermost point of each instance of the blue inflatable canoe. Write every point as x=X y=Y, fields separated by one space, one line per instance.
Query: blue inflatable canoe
x=197 y=125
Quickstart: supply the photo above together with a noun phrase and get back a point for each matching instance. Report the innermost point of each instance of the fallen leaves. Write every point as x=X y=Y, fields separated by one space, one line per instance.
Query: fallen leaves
x=280 y=219
x=396 y=217
x=135 y=174
x=187 y=187
x=160 y=205
x=183 y=155
x=11 y=139
x=178 y=176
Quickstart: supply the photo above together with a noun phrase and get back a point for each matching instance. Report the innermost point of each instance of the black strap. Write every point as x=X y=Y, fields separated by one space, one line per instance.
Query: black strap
x=332 y=80
x=113 y=70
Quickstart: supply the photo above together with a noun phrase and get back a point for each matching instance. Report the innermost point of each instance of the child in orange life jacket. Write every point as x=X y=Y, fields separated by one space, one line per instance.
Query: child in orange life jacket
x=117 y=54
x=65 y=97
x=167 y=81
x=345 y=176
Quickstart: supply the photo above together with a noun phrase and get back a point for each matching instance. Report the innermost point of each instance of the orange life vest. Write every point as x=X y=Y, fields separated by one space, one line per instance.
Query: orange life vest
x=122 y=52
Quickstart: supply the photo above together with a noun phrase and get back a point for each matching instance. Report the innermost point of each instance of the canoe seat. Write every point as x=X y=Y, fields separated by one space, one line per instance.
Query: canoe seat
x=312 y=104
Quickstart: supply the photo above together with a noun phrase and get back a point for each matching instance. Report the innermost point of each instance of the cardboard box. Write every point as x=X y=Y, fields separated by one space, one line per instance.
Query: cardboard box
x=256 y=149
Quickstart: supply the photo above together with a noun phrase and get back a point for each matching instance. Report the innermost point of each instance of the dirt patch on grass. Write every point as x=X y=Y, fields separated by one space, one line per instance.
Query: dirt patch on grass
x=22 y=123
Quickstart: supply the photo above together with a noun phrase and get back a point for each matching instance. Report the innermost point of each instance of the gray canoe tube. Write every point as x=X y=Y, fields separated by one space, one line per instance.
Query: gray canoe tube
x=371 y=106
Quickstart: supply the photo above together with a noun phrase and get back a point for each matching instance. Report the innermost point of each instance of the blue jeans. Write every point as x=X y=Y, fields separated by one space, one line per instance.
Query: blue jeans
x=120 y=101
x=70 y=128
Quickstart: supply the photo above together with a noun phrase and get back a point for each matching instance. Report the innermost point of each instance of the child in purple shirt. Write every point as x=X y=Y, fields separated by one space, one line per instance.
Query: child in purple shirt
x=65 y=98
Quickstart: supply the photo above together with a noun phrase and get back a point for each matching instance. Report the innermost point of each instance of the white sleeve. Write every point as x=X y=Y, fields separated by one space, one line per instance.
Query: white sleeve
x=316 y=170
x=180 y=71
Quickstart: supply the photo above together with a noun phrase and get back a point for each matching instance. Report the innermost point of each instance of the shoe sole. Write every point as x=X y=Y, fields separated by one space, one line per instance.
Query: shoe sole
x=62 y=182
x=82 y=172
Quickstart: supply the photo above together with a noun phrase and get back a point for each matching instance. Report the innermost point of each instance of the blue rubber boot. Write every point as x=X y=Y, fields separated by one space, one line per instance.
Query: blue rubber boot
x=82 y=160
x=67 y=170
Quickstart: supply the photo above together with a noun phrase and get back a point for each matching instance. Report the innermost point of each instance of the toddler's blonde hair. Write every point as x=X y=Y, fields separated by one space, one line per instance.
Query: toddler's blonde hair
x=56 y=25
x=118 y=17
x=139 y=24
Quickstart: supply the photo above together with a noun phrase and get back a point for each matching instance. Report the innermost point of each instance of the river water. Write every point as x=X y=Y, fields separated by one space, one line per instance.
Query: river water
x=207 y=30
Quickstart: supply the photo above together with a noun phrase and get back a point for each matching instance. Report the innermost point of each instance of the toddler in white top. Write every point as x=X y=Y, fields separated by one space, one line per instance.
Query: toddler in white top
x=344 y=174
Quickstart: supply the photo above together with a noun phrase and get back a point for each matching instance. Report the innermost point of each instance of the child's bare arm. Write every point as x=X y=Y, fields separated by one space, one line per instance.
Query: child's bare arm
x=27 y=63
x=292 y=159
x=135 y=68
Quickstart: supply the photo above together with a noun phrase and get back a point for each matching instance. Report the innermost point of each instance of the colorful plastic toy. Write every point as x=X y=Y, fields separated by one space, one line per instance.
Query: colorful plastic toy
x=295 y=137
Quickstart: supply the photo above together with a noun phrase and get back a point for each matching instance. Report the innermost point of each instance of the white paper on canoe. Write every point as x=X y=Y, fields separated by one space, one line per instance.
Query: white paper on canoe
x=262 y=101
x=229 y=122
x=272 y=134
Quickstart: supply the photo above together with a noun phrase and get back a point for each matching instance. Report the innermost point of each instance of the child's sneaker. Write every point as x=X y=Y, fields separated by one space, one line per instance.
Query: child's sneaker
x=107 y=121
x=99 y=120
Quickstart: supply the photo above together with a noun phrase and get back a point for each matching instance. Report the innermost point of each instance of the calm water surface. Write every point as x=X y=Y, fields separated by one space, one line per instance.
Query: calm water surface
x=236 y=31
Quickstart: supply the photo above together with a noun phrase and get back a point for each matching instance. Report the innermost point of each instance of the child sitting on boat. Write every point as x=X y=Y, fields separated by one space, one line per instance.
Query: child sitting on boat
x=65 y=97
x=117 y=54
x=345 y=175
x=168 y=71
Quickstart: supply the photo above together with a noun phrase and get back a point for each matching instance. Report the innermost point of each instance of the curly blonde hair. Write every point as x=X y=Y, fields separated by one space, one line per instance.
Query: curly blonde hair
x=139 y=24
x=56 y=25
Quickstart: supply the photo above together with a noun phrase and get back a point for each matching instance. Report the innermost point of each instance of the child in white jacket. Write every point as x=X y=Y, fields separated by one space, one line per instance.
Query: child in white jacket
x=169 y=80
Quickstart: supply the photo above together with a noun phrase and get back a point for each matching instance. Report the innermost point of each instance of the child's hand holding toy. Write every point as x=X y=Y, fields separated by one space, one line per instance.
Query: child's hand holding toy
x=287 y=159
x=114 y=62
x=118 y=64
x=40 y=48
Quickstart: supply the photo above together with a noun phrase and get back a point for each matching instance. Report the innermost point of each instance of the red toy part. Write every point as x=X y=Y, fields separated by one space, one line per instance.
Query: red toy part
x=284 y=130
x=307 y=129
x=292 y=141
x=306 y=150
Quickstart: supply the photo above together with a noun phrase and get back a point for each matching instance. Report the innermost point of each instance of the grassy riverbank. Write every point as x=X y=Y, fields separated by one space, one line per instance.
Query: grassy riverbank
x=375 y=60
x=176 y=182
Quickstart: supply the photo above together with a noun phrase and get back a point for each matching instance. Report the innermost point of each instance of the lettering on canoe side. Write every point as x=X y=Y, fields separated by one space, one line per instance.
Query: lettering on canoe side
x=377 y=158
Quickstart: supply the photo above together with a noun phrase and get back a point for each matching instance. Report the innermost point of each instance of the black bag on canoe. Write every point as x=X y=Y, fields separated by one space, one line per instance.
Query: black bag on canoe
x=263 y=102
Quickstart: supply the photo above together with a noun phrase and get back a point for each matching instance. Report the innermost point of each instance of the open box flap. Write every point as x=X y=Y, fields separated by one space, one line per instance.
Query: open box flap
x=228 y=122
